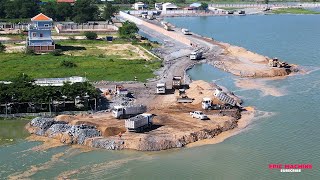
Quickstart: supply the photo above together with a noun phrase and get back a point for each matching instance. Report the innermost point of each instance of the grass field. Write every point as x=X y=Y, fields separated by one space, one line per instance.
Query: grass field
x=96 y=59
x=93 y=67
x=294 y=11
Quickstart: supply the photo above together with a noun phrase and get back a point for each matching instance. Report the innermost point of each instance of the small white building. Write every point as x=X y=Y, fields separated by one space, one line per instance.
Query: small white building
x=140 y=6
x=169 y=6
x=158 y=6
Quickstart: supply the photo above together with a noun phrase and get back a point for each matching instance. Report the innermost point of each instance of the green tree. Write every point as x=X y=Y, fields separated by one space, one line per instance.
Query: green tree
x=91 y=35
x=266 y=1
x=85 y=10
x=2 y=47
x=204 y=6
x=64 y=11
x=128 y=30
x=21 y=8
x=50 y=10
x=108 y=11
x=2 y=8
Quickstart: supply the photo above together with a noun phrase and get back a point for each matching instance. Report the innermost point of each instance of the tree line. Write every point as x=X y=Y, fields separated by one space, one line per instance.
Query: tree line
x=22 y=89
x=82 y=11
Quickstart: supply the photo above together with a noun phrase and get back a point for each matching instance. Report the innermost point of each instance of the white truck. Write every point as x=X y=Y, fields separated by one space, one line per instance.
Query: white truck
x=139 y=122
x=196 y=55
x=206 y=103
x=120 y=112
x=161 y=88
x=198 y=115
x=185 y=31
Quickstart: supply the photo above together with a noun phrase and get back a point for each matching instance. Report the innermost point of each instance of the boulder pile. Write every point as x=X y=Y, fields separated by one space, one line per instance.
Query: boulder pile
x=51 y=128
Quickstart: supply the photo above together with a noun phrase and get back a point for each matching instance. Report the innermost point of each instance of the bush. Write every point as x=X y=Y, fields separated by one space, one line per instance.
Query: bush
x=91 y=35
x=2 y=47
x=68 y=64
x=56 y=52
x=30 y=51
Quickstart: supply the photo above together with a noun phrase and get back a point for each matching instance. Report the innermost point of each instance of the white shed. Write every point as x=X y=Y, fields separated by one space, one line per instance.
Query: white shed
x=169 y=6
x=139 y=6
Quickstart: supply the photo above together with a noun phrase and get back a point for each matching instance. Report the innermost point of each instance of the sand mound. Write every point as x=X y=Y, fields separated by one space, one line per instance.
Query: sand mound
x=112 y=131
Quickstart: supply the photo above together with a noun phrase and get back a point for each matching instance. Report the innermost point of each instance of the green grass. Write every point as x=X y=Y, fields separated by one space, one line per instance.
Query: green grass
x=294 y=11
x=93 y=67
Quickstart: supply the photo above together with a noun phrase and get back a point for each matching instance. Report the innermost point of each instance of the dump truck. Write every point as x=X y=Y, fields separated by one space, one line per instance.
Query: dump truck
x=196 y=55
x=176 y=82
x=224 y=97
x=208 y=104
x=161 y=88
x=139 y=122
x=120 y=112
x=185 y=31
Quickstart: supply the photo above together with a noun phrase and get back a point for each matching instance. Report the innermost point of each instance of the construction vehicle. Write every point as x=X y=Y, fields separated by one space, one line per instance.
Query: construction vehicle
x=183 y=98
x=120 y=90
x=224 y=97
x=198 y=115
x=167 y=27
x=208 y=105
x=139 y=123
x=196 y=55
x=121 y=112
x=176 y=82
x=150 y=17
x=161 y=88
x=185 y=31
x=276 y=63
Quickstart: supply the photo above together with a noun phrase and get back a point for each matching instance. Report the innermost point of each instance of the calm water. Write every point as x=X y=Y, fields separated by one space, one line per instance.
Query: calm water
x=285 y=130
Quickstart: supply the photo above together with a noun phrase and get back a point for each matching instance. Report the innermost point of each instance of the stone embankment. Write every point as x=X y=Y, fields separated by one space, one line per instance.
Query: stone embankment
x=90 y=135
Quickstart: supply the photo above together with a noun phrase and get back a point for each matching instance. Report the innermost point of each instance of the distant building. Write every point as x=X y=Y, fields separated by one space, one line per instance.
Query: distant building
x=169 y=6
x=158 y=6
x=140 y=6
x=59 y=81
x=195 y=6
x=39 y=34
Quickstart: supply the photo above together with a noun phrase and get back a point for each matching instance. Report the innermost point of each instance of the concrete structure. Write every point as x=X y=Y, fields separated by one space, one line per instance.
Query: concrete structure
x=195 y=6
x=140 y=6
x=59 y=81
x=158 y=6
x=39 y=35
x=169 y=7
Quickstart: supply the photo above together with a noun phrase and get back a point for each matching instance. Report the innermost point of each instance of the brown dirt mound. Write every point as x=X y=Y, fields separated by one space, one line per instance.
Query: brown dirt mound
x=112 y=131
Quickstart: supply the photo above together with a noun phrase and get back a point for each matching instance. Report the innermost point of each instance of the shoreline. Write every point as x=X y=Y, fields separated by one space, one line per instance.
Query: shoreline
x=176 y=128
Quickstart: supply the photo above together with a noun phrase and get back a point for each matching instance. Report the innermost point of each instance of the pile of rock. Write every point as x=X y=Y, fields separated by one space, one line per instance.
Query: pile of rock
x=107 y=143
x=79 y=133
x=43 y=124
x=51 y=128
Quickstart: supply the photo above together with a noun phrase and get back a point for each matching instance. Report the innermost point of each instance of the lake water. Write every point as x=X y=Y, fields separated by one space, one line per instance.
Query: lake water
x=285 y=130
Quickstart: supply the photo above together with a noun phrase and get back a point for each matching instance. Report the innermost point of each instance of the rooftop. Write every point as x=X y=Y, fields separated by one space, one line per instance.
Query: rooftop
x=41 y=17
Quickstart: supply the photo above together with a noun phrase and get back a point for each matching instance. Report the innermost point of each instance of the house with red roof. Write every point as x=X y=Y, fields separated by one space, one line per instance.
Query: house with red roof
x=39 y=34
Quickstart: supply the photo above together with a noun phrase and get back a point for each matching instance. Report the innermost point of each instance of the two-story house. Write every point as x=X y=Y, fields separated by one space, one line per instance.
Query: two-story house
x=39 y=34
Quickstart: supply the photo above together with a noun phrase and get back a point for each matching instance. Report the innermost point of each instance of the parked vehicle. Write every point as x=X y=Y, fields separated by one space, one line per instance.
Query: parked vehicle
x=120 y=112
x=196 y=55
x=139 y=123
x=185 y=31
x=198 y=115
x=161 y=88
